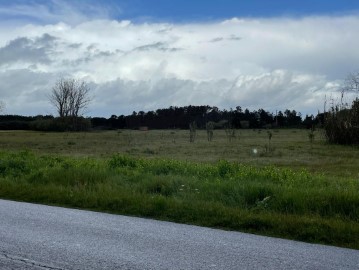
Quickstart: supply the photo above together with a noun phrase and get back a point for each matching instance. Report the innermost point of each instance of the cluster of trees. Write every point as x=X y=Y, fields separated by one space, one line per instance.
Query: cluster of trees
x=170 y=118
x=43 y=123
x=17 y=122
x=180 y=117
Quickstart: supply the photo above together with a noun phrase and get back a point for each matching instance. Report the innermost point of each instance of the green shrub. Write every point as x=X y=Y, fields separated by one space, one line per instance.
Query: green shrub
x=119 y=161
x=61 y=124
x=341 y=124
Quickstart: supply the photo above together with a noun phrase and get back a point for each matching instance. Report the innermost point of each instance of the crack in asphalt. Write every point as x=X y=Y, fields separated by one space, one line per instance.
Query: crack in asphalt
x=4 y=255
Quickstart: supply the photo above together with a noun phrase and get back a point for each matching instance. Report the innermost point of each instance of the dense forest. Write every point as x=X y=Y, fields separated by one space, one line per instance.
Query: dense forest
x=169 y=118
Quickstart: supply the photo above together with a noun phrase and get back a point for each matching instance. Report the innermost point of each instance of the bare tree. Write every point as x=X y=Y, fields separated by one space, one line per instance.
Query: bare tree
x=351 y=83
x=70 y=97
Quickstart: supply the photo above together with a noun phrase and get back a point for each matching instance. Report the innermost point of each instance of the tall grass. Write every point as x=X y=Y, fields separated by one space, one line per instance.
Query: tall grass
x=272 y=201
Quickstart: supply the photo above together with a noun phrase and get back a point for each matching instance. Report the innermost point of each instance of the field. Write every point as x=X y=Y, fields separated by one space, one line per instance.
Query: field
x=279 y=184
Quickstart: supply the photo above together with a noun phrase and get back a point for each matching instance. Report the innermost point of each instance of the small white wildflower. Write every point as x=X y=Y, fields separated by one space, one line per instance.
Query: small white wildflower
x=255 y=151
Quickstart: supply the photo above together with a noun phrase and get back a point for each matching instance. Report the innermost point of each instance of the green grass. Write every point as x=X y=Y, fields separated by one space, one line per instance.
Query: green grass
x=265 y=199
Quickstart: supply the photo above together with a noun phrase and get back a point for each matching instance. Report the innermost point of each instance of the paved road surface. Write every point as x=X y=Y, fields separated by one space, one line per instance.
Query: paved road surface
x=43 y=237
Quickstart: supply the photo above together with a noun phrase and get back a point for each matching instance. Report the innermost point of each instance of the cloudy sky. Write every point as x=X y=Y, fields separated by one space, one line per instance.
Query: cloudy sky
x=149 y=54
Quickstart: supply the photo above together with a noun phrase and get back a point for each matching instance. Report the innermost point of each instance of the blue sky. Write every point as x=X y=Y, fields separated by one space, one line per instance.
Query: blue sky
x=177 y=10
x=196 y=10
x=145 y=55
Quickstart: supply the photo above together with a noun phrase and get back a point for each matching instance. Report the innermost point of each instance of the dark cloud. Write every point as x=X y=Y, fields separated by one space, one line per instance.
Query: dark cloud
x=234 y=37
x=165 y=30
x=161 y=46
x=88 y=57
x=74 y=45
x=231 y=37
x=104 y=54
x=218 y=39
x=26 y=92
x=148 y=47
x=92 y=46
x=24 y=49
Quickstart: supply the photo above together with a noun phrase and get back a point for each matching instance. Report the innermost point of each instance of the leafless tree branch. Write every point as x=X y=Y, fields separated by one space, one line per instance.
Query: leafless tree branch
x=70 y=97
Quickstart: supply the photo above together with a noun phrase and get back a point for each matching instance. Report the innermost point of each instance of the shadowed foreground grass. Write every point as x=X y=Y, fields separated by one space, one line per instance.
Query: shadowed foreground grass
x=272 y=201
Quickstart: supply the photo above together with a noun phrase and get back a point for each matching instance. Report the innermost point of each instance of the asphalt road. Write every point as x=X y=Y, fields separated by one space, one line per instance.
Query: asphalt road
x=43 y=237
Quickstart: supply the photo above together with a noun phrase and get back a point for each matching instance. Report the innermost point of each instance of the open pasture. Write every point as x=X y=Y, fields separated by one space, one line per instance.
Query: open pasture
x=287 y=147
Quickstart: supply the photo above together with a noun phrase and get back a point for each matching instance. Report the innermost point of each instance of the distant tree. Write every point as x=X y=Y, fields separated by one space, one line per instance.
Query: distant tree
x=70 y=97
x=292 y=118
x=280 y=119
x=265 y=118
x=309 y=121
x=351 y=84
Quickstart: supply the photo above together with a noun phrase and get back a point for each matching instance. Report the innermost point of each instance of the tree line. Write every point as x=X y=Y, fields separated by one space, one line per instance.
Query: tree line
x=180 y=117
x=166 y=118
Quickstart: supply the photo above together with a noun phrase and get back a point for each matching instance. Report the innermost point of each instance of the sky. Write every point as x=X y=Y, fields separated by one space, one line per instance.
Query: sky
x=150 y=54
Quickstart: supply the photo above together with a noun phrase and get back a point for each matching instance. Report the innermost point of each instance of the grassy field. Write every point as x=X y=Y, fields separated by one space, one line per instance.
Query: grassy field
x=284 y=187
x=290 y=148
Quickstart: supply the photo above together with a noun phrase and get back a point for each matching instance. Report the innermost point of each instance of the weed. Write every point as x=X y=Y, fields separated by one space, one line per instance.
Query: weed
x=192 y=131
x=311 y=137
x=209 y=129
x=119 y=161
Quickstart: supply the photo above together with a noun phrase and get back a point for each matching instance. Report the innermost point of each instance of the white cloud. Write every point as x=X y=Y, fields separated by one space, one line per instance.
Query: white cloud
x=275 y=63
x=53 y=11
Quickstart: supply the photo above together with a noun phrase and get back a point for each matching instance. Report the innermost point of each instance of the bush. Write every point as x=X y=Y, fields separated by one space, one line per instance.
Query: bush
x=61 y=124
x=341 y=125
x=14 y=125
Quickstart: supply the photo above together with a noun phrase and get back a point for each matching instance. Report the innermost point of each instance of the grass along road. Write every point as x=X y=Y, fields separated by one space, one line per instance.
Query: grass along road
x=288 y=188
x=267 y=200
